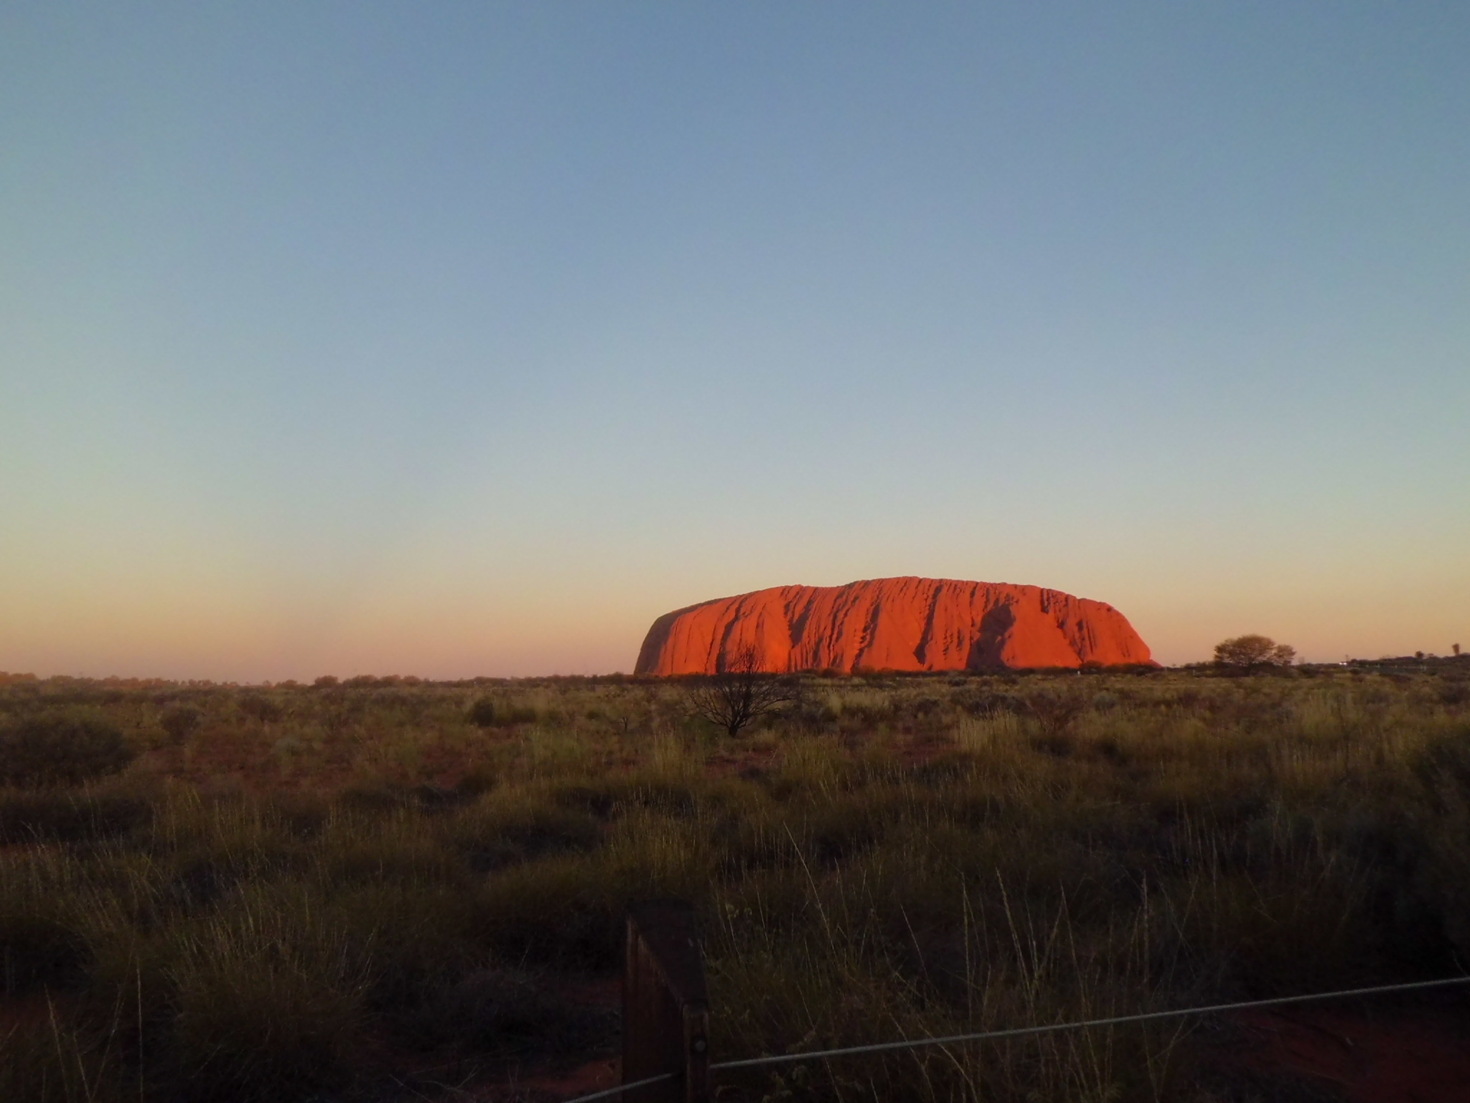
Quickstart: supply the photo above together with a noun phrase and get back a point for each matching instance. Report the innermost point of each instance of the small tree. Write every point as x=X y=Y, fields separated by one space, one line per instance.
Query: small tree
x=1056 y=711
x=1253 y=653
x=180 y=722
x=740 y=694
x=259 y=707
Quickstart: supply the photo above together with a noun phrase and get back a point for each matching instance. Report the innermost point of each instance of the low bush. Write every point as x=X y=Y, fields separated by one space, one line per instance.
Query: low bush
x=563 y=910
x=29 y=816
x=494 y=835
x=61 y=749
x=251 y=1026
x=180 y=722
x=483 y=713
x=487 y=712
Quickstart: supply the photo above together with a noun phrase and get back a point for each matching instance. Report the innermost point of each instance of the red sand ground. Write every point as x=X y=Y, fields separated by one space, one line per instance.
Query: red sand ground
x=892 y=624
x=1382 y=1055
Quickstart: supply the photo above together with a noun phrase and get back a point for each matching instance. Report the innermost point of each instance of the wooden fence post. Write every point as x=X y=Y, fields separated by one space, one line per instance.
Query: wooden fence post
x=665 y=1005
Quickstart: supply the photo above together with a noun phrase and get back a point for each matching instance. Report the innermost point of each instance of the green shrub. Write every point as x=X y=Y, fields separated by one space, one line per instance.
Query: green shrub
x=61 y=749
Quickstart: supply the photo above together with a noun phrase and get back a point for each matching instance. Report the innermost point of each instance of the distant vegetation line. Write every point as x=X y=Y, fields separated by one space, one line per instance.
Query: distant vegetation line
x=1420 y=662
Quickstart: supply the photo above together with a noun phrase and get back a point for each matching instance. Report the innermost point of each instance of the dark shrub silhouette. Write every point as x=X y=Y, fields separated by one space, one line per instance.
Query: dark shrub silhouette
x=482 y=713
x=486 y=712
x=38 y=951
x=61 y=749
x=180 y=722
x=1253 y=652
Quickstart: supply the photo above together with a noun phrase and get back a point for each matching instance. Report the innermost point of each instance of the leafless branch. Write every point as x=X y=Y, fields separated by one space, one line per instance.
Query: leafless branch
x=740 y=694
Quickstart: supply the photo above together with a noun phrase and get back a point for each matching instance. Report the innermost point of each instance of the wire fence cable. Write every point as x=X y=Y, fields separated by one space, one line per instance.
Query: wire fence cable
x=1023 y=1031
x=1116 y=1020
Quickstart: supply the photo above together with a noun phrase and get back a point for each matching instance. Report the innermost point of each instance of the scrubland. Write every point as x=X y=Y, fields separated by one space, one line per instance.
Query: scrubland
x=391 y=890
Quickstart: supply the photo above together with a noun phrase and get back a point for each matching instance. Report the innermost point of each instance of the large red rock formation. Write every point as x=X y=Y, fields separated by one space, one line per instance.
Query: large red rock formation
x=892 y=624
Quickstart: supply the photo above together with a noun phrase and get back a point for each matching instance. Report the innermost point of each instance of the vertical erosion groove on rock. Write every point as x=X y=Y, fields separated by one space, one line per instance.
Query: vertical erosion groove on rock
x=893 y=624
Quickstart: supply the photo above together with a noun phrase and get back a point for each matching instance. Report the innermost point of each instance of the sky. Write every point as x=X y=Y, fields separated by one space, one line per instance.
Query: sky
x=465 y=339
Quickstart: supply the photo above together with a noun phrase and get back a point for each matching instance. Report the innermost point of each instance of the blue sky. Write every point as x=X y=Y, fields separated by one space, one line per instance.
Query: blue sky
x=467 y=338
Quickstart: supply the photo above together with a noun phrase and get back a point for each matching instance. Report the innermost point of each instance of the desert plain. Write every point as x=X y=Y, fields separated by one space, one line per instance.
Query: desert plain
x=383 y=888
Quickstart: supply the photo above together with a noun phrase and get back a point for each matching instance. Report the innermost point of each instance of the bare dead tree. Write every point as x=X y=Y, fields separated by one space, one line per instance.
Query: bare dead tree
x=740 y=694
x=1056 y=711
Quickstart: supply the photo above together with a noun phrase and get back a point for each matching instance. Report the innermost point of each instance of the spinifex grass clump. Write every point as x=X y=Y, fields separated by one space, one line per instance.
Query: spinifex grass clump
x=324 y=892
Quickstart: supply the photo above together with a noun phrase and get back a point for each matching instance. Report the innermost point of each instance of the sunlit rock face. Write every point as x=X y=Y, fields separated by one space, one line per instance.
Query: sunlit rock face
x=892 y=624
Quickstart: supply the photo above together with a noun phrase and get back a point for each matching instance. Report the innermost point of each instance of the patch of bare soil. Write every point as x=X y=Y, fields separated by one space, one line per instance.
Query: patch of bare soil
x=550 y=1080
x=1376 y=1055
x=553 y=1086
